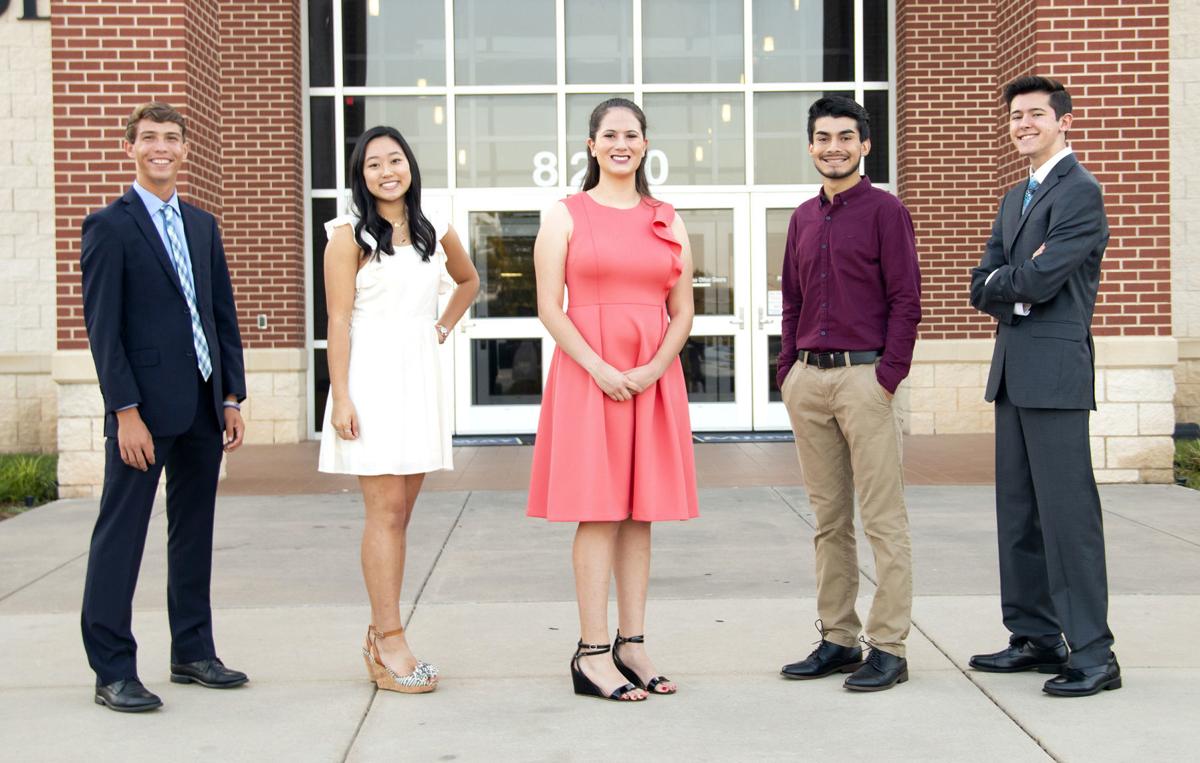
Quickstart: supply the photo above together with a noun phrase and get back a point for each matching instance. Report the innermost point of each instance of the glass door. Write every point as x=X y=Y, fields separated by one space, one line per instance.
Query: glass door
x=501 y=349
x=717 y=357
x=770 y=213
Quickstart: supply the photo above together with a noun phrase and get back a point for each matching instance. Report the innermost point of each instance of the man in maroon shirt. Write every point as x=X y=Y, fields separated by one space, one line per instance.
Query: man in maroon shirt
x=851 y=304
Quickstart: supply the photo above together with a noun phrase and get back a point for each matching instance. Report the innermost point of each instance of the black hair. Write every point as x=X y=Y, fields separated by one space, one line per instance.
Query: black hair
x=840 y=106
x=592 y=177
x=1060 y=99
x=424 y=238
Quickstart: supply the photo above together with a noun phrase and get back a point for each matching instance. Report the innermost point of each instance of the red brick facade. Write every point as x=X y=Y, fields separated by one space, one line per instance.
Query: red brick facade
x=955 y=159
x=233 y=70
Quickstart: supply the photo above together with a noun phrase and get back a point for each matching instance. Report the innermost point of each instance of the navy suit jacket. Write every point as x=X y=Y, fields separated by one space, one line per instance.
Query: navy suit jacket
x=1047 y=358
x=138 y=321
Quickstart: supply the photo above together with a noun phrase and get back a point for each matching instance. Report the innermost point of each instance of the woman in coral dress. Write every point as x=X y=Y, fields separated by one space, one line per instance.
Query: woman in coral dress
x=614 y=443
x=387 y=419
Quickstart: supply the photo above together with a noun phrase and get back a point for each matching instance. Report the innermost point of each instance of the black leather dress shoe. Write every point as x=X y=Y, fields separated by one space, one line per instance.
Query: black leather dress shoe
x=827 y=658
x=1023 y=654
x=1084 y=682
x=127 y=696
x=881 y=671
x=211 y=673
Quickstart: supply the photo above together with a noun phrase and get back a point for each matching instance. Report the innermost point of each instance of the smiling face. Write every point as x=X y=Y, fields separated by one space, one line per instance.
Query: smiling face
x=1036 y=132
x=835 y=149
x=619 y=144
x=386 y=169
x=158 y=149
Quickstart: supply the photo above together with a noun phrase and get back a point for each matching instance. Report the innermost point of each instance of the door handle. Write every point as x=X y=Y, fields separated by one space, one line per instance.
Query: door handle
x=762 y=318
x=464 y=325
x=740 y=320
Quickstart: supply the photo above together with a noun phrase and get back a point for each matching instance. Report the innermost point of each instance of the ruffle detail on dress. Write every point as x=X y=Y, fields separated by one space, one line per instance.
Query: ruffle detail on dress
x=664 y=216
x=351 y=220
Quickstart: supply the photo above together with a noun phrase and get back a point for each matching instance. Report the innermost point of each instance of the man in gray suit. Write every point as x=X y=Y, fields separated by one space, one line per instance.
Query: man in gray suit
x=1039 y=277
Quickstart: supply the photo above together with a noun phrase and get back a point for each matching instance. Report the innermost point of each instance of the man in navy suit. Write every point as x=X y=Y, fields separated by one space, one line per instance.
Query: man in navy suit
x=158 y=306
x=1039 y=278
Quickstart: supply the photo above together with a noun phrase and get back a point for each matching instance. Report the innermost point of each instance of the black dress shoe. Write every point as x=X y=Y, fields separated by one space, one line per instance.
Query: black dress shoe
x=827 y=658
x=127 y=696
x=881 y=671
x=1023 y=654
x=211 y=673
x=1084 y=682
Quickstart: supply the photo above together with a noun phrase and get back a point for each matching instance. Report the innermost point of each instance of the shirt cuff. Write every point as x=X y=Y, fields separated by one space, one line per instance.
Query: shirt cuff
x=233 y=405
x=1021 y=308
x=988 y=280
x=126 y=407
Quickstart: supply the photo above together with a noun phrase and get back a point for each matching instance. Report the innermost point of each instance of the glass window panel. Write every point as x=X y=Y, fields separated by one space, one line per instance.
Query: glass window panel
x=420 y=119
x=692 y=41
x=321 y=142
x=708 y=369
x=774 y=345
x=322 y=211
x=499 y=138
x=502 y=247
x=777 y=228
x=875 y=40
x=878 y=161
x=579 y=110
x=393 y=42
x=702 y=134
x=320 y=43
x=804 y=41
x=781 y=138
x=710 y=232
x=320 y=384
x=599 y=41
x=506 y=371
x=504 y=43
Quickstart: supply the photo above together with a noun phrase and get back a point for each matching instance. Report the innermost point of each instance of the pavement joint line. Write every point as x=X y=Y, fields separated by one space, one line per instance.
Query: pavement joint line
x=788 y=503
x=411 y=612
x=1150 y=527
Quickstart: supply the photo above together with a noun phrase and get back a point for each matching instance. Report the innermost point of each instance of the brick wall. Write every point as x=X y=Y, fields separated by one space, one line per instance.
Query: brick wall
x=955 y=159
x=947 y=150
x=233 y=70
x=1114 y=57
x=108 y=58
x=262 y=127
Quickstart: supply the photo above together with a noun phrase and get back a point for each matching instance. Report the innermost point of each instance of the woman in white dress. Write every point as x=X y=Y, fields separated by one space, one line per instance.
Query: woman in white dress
x=387 y=419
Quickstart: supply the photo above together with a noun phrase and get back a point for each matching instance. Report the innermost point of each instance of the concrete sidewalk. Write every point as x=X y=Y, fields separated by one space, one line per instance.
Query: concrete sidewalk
x=491 y=602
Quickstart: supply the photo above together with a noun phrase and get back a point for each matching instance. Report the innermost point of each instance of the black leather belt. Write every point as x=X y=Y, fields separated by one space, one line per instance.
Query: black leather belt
x=838 y=358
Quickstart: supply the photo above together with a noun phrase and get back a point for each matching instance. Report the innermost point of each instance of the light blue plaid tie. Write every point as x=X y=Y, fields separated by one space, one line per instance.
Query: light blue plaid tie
x=184 y=269
x=1030 y=190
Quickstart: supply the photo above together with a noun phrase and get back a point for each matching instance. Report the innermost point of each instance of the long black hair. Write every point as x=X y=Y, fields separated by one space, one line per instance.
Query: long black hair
x=420 y=229
x=592 y=177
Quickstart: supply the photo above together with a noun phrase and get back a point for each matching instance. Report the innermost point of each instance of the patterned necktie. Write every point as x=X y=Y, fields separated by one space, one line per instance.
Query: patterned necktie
x=1030 y=189
x=184 y=269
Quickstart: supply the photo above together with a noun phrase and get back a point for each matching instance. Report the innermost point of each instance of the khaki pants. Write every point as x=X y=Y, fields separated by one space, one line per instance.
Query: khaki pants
x=848 y=441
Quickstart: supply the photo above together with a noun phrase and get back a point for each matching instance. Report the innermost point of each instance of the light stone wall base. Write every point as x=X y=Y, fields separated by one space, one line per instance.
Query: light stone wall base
x=1131 y=427
x=27 y=403
x=274 y=412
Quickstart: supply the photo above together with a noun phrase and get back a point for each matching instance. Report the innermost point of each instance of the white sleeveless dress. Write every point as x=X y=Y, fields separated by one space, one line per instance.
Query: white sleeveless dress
x=395 y=376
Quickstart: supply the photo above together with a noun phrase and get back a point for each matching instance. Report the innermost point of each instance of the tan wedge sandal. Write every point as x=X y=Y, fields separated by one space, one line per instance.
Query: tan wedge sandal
x=423 y=678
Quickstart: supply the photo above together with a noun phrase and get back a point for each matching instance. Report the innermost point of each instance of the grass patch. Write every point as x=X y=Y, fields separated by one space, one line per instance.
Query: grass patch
x=26 y=480
x=1187 y=463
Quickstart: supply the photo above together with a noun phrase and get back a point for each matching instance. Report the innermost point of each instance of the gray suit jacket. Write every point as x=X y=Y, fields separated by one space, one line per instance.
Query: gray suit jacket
x=1046 y=359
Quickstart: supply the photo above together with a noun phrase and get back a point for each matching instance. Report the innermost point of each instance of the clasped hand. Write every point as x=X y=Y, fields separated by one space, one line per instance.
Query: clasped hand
x=621 y=386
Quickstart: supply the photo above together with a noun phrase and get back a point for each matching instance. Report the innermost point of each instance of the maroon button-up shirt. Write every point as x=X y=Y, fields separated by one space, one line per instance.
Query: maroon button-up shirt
x=851 y=280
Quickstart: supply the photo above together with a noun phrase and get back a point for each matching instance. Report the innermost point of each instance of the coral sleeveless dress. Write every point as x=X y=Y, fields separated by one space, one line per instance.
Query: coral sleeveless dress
x=596 y=459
